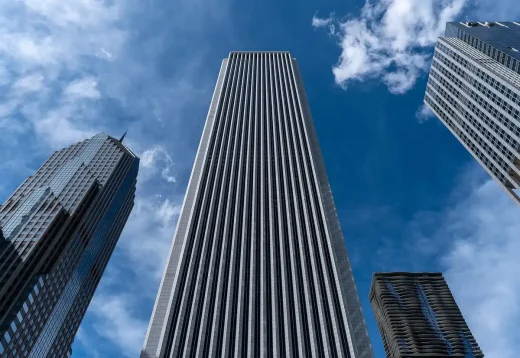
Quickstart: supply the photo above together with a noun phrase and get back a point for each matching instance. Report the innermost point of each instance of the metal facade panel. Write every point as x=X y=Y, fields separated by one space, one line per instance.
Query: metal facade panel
x=258 y=265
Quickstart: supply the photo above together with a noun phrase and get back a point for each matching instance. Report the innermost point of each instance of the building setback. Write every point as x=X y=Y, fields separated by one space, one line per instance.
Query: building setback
x=474 y=89
x=258 y=265
x=58 y=231
x=418 y=317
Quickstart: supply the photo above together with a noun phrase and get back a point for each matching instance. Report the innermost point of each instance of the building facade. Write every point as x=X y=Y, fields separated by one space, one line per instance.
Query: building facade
x=474 y=89
x=417 y=316
x=258 y=265
x=58 y=231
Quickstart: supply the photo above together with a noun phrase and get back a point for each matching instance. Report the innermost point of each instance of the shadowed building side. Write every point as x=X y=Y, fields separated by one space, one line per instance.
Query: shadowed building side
x=58 y=231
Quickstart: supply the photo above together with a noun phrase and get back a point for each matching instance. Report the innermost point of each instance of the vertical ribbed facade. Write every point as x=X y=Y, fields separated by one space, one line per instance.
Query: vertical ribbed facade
x=474 y=89
x=58 y=231
x=258 y=266
x=418 y=317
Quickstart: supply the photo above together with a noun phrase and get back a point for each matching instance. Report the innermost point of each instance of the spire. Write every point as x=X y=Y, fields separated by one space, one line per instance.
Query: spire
x=123 y=137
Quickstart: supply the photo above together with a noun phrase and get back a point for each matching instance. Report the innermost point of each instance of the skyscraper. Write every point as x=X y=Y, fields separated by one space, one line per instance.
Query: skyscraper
x=474 y=89
x=258 y=265
x=418 y=317
x=59 y=229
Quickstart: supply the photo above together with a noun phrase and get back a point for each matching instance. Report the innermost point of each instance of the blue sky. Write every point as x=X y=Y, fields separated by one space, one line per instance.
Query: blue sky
x=408 y=195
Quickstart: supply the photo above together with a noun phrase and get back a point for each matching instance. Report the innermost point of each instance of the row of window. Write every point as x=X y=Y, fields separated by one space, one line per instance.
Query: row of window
x=496 y=114
x=487 y=62
x=18 y=326
x=491 y=51
x=482 y=116
x=505 y=91
x=474 y=135
x=465 y=72
x=50 y=167
x=472 y=147
x=87 y=258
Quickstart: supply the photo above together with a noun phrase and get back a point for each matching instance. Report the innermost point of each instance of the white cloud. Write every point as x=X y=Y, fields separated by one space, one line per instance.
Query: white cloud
x=326 y=22
x=149 y=233
x=85 y=13
x=317 y=22
x=82 y=88
x=391 y=40
x=482 y=264
x=118 y=323
x=8 y=107
x=157 y=160
x=29 y=83
x=41 y=43
x=424 y=113
x=86 y=342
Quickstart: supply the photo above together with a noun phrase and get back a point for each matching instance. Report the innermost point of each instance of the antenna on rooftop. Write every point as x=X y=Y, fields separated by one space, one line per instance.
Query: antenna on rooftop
x=123 y=137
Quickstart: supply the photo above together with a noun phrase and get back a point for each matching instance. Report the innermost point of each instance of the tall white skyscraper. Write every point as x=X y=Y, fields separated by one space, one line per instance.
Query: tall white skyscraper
x=258 y=266
x=474 y=89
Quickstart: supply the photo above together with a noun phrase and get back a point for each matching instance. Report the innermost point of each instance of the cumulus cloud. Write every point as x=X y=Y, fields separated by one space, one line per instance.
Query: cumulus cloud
x=481 y=265
x=391 y=40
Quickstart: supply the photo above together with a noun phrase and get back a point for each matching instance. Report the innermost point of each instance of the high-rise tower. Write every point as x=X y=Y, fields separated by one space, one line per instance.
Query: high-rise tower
x=474 y=89
x=418 y=317
x=258 y=265
x=58 y=231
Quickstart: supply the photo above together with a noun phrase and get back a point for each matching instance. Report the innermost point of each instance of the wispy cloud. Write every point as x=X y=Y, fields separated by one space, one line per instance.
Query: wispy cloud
x=117 y=322
x=482 y=263
x=474 y=241
x=148 y=236
x=82 y=88
x=87 y=343
x=43 y=44
x=157 y=160
x=327 y=22
x=28 y=83
x=424 y=113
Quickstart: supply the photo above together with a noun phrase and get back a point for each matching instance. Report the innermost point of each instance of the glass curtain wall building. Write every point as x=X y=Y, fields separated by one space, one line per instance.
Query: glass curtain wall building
x=418 y=317
x=58 y=231
x=474 y=89
x=258 y=265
